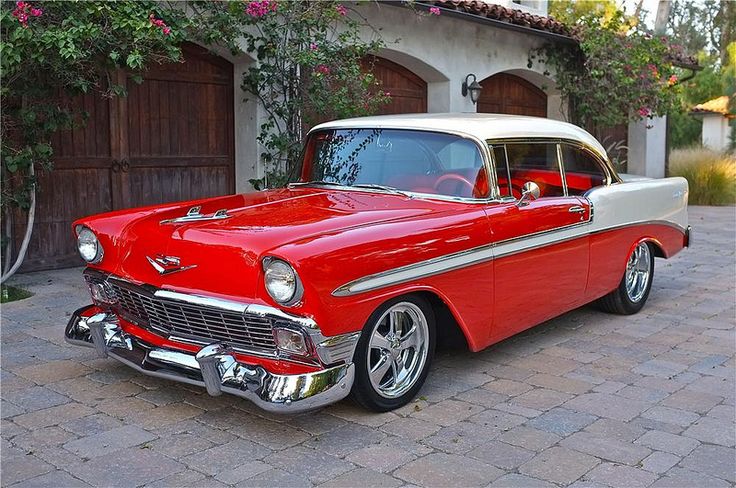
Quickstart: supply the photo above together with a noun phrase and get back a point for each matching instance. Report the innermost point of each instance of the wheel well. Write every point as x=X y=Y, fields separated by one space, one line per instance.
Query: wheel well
x=658 y=251
x=449 y=334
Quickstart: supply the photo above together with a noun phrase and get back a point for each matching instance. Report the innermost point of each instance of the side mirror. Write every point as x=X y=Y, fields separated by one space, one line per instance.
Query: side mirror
x=529 y=192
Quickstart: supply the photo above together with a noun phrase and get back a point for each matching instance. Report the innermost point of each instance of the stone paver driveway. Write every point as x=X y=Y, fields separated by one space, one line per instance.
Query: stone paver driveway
x=587 y=399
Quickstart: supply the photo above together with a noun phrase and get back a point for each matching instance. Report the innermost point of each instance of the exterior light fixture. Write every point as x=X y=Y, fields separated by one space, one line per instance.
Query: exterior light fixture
x=472 y=87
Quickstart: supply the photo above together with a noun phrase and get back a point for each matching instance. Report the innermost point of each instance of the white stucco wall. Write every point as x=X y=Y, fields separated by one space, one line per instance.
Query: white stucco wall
x=715 y=132
x=441 y=50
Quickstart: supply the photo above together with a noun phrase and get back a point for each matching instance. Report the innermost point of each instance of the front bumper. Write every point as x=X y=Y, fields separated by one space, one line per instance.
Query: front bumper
x=213 y=367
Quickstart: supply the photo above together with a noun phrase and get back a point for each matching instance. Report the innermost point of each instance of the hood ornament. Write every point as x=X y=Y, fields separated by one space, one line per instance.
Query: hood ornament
x=168 y=264
x=194 y=215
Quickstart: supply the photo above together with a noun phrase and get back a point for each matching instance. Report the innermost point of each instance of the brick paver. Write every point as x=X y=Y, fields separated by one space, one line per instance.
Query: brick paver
x=586 y=399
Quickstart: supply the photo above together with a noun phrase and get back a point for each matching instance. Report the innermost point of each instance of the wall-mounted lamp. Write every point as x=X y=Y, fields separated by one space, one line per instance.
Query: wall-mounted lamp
x=472 y=87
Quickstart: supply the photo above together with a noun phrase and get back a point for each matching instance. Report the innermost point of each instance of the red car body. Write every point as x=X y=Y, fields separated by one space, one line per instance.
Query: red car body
x=350 y=248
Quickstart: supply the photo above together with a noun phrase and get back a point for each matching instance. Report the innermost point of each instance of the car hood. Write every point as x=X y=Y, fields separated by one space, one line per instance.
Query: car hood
x=225 y=254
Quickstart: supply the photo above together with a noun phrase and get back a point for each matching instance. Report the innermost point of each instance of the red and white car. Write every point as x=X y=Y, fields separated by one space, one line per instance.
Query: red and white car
x=398 y=233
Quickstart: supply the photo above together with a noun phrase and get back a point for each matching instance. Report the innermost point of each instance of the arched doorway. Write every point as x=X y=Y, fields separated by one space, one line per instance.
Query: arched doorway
x=505 y=93
x=170 y=139
x=407 y=90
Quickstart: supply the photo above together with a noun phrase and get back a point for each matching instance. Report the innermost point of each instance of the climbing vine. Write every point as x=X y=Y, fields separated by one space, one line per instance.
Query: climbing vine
x=614 y=74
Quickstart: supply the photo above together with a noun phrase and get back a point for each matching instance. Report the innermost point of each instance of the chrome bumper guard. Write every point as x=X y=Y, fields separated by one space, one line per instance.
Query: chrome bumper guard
x=213 y=367
x=688 y=234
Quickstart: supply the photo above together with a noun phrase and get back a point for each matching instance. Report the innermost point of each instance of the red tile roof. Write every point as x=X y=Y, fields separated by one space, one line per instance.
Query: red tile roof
x=716 y=106
x=504 y=14
x=537 y=22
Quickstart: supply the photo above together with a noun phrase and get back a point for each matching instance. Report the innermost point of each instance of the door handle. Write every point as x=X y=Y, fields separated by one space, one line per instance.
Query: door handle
x=124 y=165
x=576 y=209
x=115 y=166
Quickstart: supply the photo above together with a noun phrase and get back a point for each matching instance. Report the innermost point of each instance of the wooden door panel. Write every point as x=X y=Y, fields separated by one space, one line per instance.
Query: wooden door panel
x=172 y=138
x=64 y=196
x=79 y=185
x=504 y=93
x=155 y=185
x=408 y=91
x=180 y=131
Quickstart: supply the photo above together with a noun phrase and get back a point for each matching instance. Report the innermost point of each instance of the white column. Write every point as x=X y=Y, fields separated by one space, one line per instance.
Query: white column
x=246 y=120
x=647 y=147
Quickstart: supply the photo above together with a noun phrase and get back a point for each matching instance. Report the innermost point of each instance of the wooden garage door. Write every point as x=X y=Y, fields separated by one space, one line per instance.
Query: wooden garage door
x=509 y=94
x=170 y=139
x=408 y=91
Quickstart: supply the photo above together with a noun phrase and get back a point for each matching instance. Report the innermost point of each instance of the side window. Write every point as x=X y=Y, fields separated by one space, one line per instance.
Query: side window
x=502 y=171
x=535 y=162
x=582 y=170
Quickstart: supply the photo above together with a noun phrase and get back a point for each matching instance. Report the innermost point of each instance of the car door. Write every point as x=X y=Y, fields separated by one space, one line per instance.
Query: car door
x=541 y=247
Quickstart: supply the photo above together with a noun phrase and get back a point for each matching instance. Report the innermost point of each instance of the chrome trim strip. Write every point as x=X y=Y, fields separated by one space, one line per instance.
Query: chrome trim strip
x=471 y=257
x=202 y=300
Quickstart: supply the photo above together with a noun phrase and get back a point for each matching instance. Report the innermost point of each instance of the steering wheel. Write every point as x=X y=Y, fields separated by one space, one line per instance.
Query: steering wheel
x=454 y=177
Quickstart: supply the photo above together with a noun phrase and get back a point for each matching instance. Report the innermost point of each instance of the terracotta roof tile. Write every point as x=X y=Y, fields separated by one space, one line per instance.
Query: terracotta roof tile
x=716 y=106
x=504 y=14
x=525 y=19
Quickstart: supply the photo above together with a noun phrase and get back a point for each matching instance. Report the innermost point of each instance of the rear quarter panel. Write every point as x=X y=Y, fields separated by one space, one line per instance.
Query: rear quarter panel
x=625 y=214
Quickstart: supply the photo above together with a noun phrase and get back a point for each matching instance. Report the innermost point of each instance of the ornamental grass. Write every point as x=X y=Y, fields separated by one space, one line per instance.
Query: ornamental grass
x=711 y=175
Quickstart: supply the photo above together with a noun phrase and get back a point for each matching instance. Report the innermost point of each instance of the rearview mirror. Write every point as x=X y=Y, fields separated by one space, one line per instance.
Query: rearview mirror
x=529 y=192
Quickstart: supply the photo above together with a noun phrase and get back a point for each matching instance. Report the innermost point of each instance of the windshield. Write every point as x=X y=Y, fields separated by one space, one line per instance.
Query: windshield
x=403 y=160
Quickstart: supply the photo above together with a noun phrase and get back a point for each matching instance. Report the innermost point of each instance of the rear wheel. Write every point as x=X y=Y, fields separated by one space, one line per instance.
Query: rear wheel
x=633 y=290
x=394 y=353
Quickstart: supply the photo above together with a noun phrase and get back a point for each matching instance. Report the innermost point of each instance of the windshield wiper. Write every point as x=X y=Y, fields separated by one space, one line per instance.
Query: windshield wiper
x=316 y=182
x=373 y=186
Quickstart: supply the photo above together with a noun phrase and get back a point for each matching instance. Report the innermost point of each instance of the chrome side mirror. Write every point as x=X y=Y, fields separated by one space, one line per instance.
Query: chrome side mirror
x=529 y=192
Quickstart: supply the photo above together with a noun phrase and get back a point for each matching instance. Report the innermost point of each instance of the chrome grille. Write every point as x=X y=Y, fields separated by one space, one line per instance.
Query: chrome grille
x=199 y=323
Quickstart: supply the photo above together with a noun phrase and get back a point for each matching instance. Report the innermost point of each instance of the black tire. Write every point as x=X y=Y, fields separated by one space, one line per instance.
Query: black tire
x=363 y=391
x=619 y=302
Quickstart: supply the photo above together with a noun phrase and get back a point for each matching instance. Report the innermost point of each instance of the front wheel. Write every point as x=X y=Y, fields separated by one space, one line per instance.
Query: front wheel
x=633 y=290
x=394 y=353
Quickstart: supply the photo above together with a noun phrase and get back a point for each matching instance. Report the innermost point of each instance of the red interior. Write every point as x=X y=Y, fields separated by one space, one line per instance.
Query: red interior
x=462 y=183
x=550 y=183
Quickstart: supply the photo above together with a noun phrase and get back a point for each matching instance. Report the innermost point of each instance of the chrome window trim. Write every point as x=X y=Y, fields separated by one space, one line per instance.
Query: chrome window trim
x=611 y=175
x=470 y=257
x=561 y=169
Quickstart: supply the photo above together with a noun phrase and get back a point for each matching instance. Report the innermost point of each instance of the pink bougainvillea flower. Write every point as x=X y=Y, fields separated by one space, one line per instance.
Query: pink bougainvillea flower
x=341 y=9
x=259 y=8
x=388 y=94
x=434 y=10
x=672 y=80
x=160 y=24
x=322 y=69
x=644 y=112
x=312 y=46
x=24 y=10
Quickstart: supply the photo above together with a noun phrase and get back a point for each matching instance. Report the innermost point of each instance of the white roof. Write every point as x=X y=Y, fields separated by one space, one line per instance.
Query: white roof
x=480 y=125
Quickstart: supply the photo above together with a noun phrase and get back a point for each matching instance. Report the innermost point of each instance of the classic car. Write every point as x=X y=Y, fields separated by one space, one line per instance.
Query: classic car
x=397 y=234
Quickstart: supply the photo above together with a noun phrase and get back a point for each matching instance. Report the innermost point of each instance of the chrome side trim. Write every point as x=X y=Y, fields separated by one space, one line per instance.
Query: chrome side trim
x=417 y=270
x=474 y=256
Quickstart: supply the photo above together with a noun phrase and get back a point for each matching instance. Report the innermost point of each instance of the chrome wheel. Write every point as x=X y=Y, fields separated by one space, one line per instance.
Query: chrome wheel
x=638 y=272
x=398 y=348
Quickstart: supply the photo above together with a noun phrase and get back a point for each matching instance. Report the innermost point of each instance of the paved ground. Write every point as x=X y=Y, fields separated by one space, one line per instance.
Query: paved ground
x=588 y=399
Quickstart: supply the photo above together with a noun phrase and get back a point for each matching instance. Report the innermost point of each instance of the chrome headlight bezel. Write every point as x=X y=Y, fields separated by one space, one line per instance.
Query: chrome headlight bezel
x=275 y=268
x=90 y=239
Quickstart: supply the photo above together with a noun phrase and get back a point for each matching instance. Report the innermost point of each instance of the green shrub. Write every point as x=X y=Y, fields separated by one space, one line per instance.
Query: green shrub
x=710 y=174
x=13 y=293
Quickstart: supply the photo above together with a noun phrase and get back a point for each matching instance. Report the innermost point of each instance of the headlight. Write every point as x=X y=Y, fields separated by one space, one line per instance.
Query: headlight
x=88 y=245
x=282 y=282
